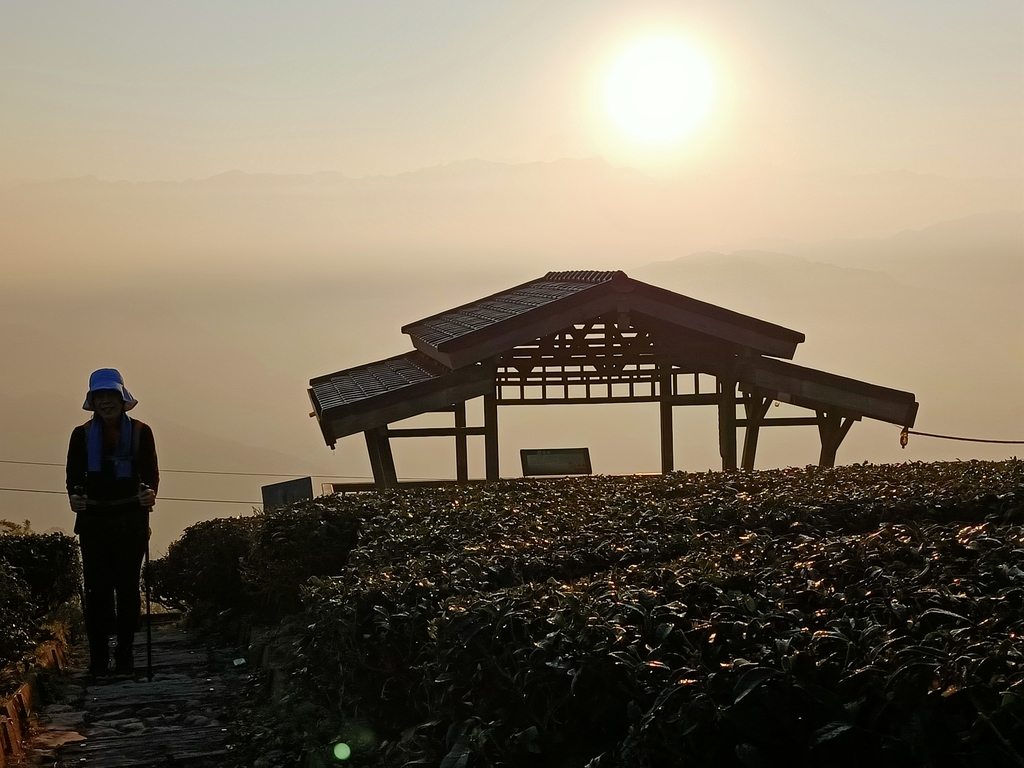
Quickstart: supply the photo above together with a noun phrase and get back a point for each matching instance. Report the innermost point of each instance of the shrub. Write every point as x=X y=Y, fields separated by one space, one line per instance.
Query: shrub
x=49 y=564
x=201 y=569
x=17 y=616
x=849 y=616
x=291 y=544
x=256 y=564
x=862 y=615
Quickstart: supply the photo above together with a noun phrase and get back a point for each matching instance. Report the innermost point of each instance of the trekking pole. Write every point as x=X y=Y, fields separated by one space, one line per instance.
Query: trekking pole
x=80 y=491
x=149 y=616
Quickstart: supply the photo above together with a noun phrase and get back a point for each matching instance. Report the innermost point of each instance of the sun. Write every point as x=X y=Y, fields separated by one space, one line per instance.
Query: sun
x=658 y=90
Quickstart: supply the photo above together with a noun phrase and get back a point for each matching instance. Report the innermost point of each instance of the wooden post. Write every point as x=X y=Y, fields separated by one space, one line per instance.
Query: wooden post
x=382 y=461
x=665 y=393
x=373 y=450
x=727 y=421
x=832 y=428
x=755 y=406
x=491 y=435
x=461 y=447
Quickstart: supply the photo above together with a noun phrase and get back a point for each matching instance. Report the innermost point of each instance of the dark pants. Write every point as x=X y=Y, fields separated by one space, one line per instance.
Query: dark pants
x=111 y=565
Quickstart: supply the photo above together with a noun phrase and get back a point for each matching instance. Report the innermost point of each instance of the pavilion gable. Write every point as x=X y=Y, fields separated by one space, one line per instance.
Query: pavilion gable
x=492 y=325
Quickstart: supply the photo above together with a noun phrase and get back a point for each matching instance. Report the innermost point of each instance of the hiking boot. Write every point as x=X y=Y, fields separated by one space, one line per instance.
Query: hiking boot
x=124 y=663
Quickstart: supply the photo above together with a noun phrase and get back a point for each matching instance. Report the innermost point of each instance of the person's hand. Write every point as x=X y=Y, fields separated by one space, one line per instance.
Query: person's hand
x=147 y=497
x=78 y=502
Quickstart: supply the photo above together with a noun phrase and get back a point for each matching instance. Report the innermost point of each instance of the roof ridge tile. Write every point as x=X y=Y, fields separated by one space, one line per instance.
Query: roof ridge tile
x=583 y=276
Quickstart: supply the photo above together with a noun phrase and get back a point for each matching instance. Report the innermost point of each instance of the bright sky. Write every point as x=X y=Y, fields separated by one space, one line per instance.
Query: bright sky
x=182 y=89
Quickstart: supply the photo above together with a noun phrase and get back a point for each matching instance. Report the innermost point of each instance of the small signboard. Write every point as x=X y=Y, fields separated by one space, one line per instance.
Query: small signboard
x=283 y=494
x=555 y=461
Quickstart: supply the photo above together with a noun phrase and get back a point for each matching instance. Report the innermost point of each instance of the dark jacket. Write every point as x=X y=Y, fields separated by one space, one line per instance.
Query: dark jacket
x=112 y=499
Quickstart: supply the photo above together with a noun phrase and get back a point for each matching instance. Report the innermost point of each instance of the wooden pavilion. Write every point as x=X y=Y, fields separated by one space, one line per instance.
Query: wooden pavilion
x=593 y=337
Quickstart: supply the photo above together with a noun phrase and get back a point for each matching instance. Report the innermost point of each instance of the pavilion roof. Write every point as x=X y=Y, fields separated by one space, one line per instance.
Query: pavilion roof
x=456 y=351
x=494 y=324
x=378 y=393
x=820 y=390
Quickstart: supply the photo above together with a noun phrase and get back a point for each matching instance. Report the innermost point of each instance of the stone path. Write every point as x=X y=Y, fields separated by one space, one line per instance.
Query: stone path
x=182 y=717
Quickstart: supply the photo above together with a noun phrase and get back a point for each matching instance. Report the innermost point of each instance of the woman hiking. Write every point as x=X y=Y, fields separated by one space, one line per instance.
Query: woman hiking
x=112 y=478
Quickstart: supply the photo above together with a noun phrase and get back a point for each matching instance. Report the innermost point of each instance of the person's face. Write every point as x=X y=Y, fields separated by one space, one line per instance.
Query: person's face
x=108 y=404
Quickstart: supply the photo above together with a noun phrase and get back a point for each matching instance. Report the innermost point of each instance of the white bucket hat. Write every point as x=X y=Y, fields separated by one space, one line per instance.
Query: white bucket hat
x=110 y=379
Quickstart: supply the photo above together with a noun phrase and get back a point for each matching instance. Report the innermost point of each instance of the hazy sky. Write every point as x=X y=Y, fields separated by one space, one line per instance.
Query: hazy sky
x=829 y=127
x=176 y=90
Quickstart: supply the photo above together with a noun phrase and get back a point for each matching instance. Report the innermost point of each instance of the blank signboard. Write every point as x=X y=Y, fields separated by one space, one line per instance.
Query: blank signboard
x=555 y=461
x=283 y=494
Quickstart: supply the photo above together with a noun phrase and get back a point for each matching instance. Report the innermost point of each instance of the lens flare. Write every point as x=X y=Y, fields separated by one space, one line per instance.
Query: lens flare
x=341 y=751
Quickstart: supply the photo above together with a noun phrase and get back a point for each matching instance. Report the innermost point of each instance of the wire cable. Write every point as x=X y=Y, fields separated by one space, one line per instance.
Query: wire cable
x=211 y=501
x=963 y=439
x=161 y=498
x=204 y=471
x=215 y=472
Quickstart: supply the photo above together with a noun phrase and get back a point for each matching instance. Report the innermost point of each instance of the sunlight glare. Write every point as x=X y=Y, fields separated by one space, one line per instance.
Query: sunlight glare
x=658 y=90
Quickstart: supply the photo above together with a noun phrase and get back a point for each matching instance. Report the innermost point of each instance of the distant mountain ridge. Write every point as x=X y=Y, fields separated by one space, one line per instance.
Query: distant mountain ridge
x=477 y=165
x=562 y=214
x=974 y=261
x=994 y=235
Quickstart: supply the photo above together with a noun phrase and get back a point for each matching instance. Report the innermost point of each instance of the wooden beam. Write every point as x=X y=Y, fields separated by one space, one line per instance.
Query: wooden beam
x=755 y=406
x=702 y=399
x=382 y=462
x=373 y=451
x=708 y=398
x=579 y=400
x=491 y=436
x=667 y=455
x=727 y=421
x=461 y=444
x=436 y=431
x=790 y=421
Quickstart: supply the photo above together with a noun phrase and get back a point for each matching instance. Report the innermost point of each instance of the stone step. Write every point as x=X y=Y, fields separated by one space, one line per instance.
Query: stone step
x=183 y=716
